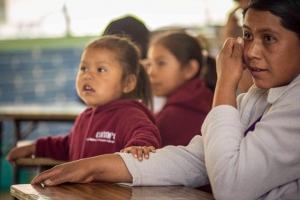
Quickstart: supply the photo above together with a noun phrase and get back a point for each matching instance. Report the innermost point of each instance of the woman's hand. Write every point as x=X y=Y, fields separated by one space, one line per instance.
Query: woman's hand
x=230 y=68
x=138 y=151
x=108 y=167
x=74 y=172
x=230 y=61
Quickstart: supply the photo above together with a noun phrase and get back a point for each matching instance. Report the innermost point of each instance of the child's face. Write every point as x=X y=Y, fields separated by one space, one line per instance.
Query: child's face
x=164 y=70
x=99 y=78
x=271 y=52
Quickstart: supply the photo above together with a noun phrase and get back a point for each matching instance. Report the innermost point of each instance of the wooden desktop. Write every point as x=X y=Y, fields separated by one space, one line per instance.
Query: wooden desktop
x=99 y=190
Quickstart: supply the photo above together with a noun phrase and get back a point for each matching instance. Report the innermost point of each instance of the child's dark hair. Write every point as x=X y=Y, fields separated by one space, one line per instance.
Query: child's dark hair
x=211 y=72
x=128 y=56
x=183 y=46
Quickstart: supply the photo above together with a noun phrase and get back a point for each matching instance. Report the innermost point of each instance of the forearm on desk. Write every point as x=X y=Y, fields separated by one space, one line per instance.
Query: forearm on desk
x=171 y=165
x=111 y=168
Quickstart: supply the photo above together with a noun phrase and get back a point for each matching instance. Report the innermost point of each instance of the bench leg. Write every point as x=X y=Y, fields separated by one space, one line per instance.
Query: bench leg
x=16 y=175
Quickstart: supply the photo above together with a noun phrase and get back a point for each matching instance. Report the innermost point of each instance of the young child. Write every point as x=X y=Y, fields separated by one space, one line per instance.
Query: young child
x=175 y=60
x=134 y=29
x=111 y=81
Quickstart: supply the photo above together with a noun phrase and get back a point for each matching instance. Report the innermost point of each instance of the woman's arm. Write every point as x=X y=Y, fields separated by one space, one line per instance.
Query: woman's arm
x=171 y=165
x=110 y=168
x=248 y=167
x=230 y=69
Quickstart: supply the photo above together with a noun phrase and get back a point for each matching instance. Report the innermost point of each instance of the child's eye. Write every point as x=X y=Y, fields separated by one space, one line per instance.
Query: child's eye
x=84 y=69
x=100 y=69
x=161 y=64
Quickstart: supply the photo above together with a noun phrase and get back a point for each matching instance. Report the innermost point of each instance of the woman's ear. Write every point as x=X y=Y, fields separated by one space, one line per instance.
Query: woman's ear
x=191 y=69
x=129 y=83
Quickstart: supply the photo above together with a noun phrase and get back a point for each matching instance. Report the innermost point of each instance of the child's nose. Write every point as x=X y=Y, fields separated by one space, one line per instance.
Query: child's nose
x=151 y=71
x=88 y=76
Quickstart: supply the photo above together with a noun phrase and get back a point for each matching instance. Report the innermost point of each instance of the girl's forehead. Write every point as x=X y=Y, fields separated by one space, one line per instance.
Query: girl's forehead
x=103 y=49
x=158 y=49
x=100 y=51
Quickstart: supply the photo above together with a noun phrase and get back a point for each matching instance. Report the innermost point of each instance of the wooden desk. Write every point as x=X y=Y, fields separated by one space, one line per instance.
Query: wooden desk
x=35 y=114
x=107 y=191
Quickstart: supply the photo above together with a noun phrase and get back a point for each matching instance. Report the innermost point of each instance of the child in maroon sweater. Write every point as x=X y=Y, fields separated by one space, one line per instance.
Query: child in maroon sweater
x=175 y=61
x=111 y=81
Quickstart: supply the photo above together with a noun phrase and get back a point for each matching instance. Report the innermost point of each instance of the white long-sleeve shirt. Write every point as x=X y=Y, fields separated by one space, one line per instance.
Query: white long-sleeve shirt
x=263 y=165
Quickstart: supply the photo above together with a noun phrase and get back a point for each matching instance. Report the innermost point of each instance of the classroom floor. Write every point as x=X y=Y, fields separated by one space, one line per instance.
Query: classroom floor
x=5 y=195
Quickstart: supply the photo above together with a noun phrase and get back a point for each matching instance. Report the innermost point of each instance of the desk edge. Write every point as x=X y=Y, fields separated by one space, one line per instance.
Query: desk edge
x=20 y=195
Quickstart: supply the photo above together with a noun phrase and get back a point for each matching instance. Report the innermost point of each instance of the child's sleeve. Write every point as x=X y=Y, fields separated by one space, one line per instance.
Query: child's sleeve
x=139 y=130
x=53 y=147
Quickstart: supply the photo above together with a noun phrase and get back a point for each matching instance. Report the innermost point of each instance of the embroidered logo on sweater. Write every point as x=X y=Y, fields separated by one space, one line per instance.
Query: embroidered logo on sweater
x=103 y=136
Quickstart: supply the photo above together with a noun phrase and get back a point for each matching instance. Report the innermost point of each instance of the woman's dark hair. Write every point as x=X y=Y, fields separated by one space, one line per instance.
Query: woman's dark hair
x=183 y=46
x=128 y=56
x=287 y=10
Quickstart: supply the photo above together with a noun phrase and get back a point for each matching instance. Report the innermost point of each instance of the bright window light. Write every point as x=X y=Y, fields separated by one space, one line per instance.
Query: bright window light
x=47 y=18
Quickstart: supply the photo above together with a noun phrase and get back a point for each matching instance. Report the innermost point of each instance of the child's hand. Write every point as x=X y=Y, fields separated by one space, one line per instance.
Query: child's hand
x=19 y=152
x=137 y=151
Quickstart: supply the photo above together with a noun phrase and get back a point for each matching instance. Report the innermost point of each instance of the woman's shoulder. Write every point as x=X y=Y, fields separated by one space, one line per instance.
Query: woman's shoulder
x=289 y=93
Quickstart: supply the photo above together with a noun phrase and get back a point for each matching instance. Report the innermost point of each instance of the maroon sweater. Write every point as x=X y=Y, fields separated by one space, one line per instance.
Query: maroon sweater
x=182 y=116
x=107 y=129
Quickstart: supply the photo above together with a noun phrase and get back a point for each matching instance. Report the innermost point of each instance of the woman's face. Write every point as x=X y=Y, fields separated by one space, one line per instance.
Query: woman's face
x=271 y=52
x=165 y=71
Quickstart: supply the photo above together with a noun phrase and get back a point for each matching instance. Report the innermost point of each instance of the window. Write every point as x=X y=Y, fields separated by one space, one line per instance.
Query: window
x=58 y=18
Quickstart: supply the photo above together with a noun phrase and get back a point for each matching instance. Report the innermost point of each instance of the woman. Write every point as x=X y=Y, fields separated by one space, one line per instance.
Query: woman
x=250 y=145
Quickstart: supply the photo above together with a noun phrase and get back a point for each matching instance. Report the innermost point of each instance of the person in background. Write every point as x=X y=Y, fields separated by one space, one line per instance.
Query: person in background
x=175 y=60
x=233 y=28
x=132 y=27
x=249 y=148
x=112 y=82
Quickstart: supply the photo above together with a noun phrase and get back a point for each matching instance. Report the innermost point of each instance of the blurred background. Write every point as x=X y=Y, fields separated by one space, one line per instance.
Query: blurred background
x=58 y=18
x=41 y=42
